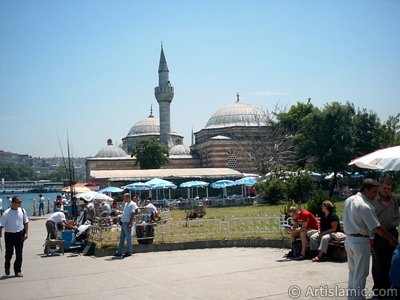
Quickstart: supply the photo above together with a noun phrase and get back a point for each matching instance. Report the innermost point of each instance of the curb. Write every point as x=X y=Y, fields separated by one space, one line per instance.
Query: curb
x=258 y=243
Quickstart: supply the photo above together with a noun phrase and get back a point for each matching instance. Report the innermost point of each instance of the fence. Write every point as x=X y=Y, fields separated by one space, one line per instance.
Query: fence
x=198 y=229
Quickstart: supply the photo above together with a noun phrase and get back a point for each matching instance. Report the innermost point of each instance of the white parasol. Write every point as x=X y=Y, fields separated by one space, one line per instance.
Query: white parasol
x=387 y=159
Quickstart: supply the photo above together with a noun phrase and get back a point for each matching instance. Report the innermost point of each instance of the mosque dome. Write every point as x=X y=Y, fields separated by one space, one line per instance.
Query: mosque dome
x=179 y=150
x=237 y=114
x=111 y=151
x=148 y=126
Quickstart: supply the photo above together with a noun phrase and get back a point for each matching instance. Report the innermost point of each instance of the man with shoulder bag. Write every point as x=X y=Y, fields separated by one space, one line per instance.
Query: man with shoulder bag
x=15 y=224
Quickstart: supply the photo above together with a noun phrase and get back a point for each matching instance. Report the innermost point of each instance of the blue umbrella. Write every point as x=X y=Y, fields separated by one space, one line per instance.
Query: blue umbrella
x=247 y=181
x=162 y=185
x=222 y=184
x=156 y=180
x=196 y=184
x=137 y=186
x=193 y=183
x=111 y=189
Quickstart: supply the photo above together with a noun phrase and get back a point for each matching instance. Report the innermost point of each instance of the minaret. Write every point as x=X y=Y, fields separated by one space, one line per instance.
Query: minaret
x=164 y=93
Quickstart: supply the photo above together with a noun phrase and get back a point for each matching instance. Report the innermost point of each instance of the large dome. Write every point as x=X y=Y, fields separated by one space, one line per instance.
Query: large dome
x=237 y=114
x=111 y=151
x=148 y=126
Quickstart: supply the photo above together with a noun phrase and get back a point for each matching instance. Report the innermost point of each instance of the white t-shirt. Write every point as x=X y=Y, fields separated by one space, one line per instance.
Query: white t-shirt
x=13 y=220
x=1 y=203
x=57 y=217
x=151 y=208
x=41 y=199
x=129 y=208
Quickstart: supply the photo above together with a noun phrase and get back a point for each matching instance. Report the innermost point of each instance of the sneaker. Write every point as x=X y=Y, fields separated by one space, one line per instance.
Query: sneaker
x=7 y=271
x=127 y=255
x=117 y=255
x=19 y=275
x=300 y=257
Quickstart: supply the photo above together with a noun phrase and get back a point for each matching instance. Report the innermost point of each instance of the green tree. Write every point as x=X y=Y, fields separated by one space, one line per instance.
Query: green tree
x=327 y=137
x=59 y=174
x=150 y=153
x=12 y=171
x=293 y=120
x=368 y=133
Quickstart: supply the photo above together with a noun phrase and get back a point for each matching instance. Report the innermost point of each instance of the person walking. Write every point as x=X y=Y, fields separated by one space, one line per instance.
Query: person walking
x=127 y=219
x=15 y=223
x=360 y=223
x=387 y=212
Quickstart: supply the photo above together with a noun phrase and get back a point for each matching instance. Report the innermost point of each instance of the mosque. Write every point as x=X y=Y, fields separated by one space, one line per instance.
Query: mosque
x=217 y=150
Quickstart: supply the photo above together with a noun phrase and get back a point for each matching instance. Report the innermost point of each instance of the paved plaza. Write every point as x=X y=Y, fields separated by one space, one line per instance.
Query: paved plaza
x=227 y=273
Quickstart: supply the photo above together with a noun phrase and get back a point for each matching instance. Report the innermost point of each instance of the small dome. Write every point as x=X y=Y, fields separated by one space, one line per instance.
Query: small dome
x=148 y=126
x=111 y=151
x=179 y=150
x=237 y=114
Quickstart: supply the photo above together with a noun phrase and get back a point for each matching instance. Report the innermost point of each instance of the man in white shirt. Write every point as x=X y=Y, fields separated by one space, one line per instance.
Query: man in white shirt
x=360 y=223
x=127 y=219
x=152 y=210
x=57 y=219
x=15 y=224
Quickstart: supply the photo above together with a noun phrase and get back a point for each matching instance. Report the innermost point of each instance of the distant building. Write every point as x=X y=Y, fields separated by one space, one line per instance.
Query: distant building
x=15 y=158
x=220 y=144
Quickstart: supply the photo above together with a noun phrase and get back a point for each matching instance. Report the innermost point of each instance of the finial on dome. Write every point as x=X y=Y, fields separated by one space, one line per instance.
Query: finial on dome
x=109 y=142
x=151 y=111
x=237 y=97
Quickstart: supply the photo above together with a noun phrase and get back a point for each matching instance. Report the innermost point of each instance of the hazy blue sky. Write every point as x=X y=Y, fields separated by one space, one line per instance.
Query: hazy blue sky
x=90 y=67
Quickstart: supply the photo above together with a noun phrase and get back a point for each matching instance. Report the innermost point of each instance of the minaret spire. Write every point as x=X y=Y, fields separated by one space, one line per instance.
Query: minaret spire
x=237 y=97
x=164 y=93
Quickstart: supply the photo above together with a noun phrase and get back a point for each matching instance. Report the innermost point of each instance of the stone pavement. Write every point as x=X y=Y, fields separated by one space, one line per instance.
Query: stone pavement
x=227 y=273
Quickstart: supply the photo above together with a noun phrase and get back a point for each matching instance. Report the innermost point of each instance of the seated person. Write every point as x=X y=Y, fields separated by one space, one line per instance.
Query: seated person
x=329 y=223
x=105 y=209
x=57 y=220
x=305 y=224
x=152 y=210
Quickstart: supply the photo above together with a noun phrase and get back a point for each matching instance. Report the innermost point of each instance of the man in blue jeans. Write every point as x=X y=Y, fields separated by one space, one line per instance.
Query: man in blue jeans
x=127 y=219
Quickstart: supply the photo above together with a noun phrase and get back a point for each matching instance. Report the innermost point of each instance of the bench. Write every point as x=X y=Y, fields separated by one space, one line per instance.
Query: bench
x=336 y=249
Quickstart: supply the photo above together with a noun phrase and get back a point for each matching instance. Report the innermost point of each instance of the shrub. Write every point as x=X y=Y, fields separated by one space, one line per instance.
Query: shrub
x=314 y=204
x=273 y=191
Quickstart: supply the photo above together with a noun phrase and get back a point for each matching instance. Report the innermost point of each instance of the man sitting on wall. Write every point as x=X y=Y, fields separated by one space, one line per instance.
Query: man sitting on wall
x=305 y=224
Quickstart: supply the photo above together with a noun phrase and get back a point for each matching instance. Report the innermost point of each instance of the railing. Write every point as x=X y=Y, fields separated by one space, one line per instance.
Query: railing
x=198 y=229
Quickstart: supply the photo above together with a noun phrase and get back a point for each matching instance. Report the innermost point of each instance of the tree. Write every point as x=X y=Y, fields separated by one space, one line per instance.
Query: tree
x=368 y=133
x=59 y=174
x=293 y=121
x=12 y=171
x=271 y=145
x=327 y=137
x=150 y=153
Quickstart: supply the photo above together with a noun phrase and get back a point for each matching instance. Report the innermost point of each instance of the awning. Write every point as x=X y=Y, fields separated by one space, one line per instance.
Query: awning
x=142 y=175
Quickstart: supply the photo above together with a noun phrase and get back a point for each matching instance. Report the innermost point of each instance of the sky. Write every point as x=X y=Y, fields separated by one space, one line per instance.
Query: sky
x=85 y=71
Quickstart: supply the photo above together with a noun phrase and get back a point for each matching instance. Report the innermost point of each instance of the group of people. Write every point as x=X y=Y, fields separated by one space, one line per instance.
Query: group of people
x=370 y=221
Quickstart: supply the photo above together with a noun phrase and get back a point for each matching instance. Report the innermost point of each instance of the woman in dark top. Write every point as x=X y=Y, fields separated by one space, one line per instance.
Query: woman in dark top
x=329 y=223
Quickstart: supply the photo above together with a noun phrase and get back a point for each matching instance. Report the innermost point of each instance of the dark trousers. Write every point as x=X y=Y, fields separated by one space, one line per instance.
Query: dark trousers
x=14 y=240
x=381 y=260
x=41 y=209
x=51 y=230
